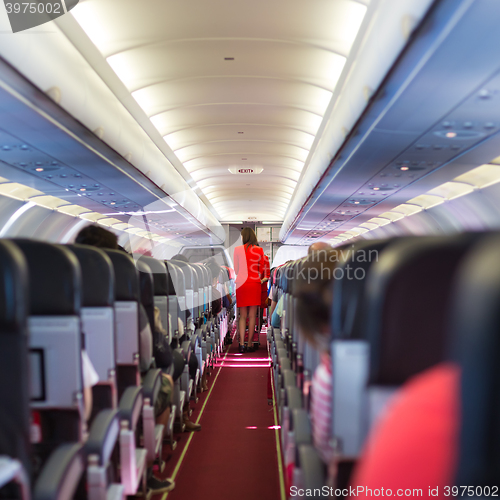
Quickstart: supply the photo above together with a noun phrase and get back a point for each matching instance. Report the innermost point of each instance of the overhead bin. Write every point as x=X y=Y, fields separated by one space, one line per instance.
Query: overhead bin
x=416 y=127
x=118 y=142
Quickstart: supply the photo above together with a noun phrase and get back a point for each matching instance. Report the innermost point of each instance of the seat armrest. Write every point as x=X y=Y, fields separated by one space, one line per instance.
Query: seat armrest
x=103 y=435
x=151 y=385
x=131 y=405
x=61 y=474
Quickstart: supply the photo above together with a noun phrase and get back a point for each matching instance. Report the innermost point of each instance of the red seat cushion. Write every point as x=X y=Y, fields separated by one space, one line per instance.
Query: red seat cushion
x=414 y=445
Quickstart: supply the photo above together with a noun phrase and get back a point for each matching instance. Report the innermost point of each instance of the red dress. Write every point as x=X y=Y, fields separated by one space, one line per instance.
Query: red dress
x=248 y=265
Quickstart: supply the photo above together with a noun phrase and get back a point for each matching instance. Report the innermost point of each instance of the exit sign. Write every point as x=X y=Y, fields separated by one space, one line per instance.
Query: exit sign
x=245 y=171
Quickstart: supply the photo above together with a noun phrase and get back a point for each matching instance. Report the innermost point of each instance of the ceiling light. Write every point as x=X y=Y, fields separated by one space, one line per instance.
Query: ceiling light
x=39 y=169
x=451 y=135
x=404 y=168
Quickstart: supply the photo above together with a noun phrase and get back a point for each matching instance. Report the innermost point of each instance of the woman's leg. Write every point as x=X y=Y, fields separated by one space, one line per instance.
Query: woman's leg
x=243 y=323
x=252 y=316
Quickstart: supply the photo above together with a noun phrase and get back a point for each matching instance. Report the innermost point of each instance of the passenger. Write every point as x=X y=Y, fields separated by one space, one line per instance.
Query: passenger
x=277 y=308
x=248 y=264
x=163 y=359
x=313 y=316
x=318 y=246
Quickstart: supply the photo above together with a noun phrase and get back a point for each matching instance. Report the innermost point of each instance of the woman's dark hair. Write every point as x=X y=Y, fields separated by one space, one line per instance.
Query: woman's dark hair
x=248 y=237
x=97 y=236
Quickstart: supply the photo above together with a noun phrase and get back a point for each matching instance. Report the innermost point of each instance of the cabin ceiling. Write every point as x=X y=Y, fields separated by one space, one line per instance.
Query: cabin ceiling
x=230 y=85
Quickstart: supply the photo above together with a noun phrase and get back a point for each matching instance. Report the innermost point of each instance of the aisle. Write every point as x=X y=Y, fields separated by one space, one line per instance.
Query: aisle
x=234 y=456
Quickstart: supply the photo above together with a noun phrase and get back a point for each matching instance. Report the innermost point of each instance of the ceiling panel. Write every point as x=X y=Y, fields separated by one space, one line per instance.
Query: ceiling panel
x=230 y=83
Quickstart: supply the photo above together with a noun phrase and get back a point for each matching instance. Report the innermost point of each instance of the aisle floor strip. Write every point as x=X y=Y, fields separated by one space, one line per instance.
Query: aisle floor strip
x=277 y=431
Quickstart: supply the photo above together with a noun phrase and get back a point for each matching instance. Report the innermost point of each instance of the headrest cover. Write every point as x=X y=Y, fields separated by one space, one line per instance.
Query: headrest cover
x=98 y=277
x=187 y=271
x=126 y=276
x=348 y=315
x=407 y=299
x=54 y=278
x=14 y=294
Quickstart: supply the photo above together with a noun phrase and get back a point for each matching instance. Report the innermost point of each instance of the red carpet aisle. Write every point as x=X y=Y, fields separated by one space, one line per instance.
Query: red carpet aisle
x=234 y=456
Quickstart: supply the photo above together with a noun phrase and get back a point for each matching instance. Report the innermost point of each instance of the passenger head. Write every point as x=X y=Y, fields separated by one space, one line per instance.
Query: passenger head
x=248 y=237
x=97 y=236
x=314 y=296
x=319 y=245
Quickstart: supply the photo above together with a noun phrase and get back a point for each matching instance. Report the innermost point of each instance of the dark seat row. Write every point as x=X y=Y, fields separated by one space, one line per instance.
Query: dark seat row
x=59 y=304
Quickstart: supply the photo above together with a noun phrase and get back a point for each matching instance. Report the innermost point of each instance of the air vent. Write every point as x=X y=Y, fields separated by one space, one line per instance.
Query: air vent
x=459 y=134
x=361 y=202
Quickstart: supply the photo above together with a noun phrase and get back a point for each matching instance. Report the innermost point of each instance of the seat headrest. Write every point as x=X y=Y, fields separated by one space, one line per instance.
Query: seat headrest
x=349 y=287
x=14 y=293
x=54 y=278
x=188 y=272
x=159 y=270
x=98 y=277
x=474 y=343
x=126 y=276
x=407 y=301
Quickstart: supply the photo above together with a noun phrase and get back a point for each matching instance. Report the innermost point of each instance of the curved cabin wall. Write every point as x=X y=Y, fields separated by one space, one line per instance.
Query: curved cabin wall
x=477 y=211
x=24 y=219
x=54 y=65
